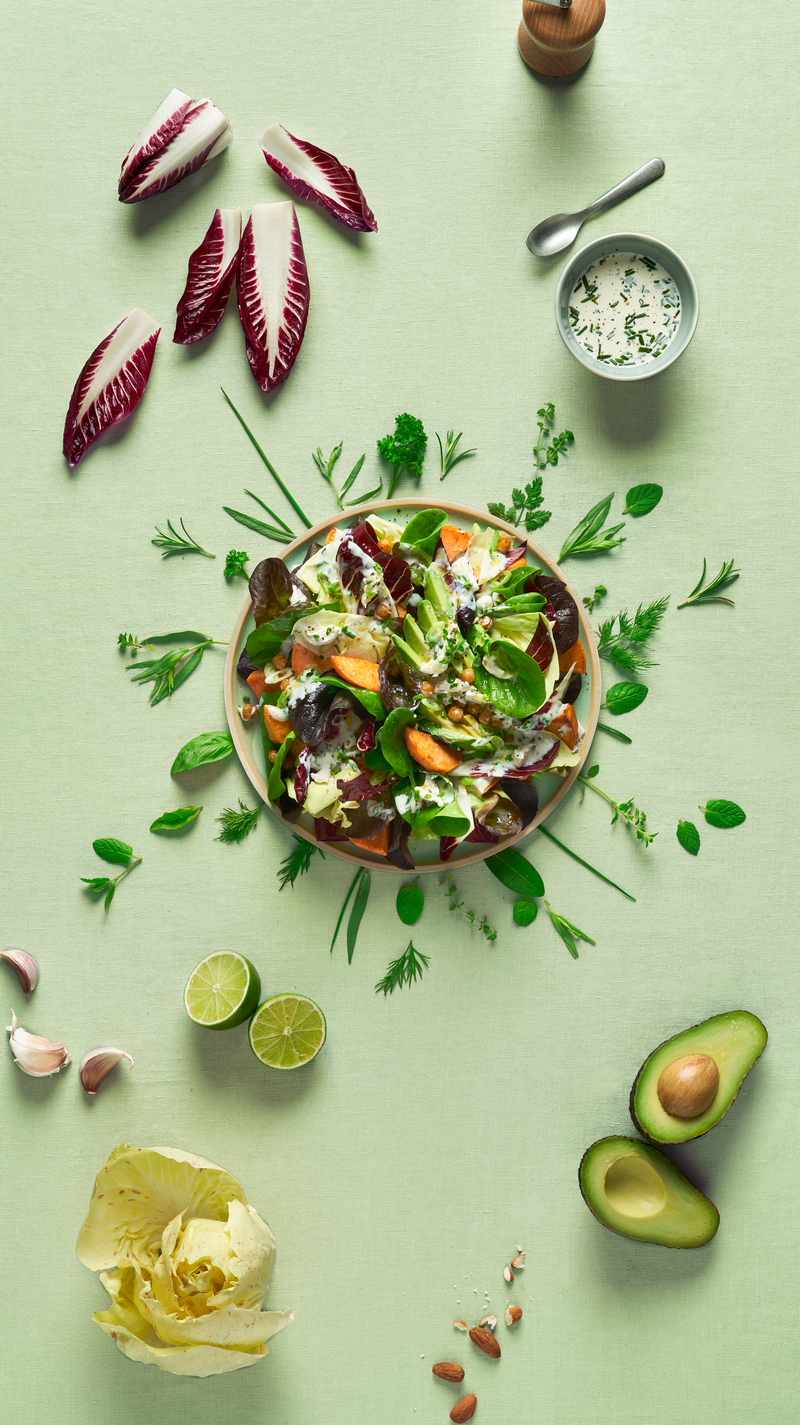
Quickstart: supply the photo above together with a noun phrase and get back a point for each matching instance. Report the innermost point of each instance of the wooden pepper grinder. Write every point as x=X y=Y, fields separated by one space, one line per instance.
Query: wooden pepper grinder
x=557 y=40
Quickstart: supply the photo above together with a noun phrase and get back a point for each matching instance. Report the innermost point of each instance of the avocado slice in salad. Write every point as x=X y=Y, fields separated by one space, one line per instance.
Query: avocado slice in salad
x=689 y=1082
x=438 y=594
x=637 y=1192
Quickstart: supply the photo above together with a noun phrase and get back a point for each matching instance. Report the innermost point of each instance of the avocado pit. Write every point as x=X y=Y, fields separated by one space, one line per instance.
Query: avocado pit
x=688 y=1085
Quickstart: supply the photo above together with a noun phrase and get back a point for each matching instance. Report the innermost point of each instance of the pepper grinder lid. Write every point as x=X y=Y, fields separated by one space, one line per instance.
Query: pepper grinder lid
x=556 y=42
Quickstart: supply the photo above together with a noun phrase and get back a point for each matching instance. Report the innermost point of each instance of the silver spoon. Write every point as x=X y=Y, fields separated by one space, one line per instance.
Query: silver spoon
x=558 y=232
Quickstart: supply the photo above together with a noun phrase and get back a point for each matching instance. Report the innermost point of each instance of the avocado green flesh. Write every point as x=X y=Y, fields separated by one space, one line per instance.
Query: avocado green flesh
x=734 y=1041
x=637 y=1192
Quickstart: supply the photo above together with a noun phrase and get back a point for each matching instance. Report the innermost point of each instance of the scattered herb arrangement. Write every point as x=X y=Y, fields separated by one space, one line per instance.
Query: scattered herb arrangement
x=361 y=880
x=447 y=452
x=524 y=507
x=279 y=531
x=712 y=593
x=118 y=853
x=550 y=837
x=207 y=747
x=174 y=543
x=410 y=903
x=271 y=468
x=624 y=697
x=688 y=836
x=624 y=811
x=589 y=600
x=722 y=813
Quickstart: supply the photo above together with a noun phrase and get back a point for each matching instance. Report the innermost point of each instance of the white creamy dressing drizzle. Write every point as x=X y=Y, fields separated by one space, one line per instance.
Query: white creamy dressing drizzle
x=625 y=309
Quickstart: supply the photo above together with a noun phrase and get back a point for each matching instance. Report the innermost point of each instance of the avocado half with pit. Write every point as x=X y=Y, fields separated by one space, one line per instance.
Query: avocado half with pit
x=691 y=1080
x=637 y=1192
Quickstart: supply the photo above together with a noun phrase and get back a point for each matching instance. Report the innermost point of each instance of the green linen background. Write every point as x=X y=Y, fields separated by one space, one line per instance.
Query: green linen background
x=440 y=1127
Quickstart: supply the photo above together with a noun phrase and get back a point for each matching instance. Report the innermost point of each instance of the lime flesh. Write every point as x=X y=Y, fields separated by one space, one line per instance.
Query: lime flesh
x=287 y=1031
x=223 y=990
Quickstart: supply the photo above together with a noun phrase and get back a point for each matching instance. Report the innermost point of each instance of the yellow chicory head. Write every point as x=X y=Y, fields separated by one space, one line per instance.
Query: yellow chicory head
x=192 y=1262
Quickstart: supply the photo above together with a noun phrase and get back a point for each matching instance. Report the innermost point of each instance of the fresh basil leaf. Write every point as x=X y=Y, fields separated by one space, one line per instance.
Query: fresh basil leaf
x=96 y=883
x=689 y=837
x=624 y=697
x=375 y=760
x=524 y=693
x=371 y=702
x=722 y=813
x=172 y=820
x=515 y=872
x=359 y=906
x=275 y=782
x=642 y=499
x=109 y=849
x=422 y=532
x=393 y=743
x=410 y=903
x=205 y=748
x=109 y=895
x=264 y=642
x=525 y=911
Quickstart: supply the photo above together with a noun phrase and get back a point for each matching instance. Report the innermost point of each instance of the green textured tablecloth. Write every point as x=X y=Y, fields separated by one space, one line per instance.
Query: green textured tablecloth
x=442 y=1126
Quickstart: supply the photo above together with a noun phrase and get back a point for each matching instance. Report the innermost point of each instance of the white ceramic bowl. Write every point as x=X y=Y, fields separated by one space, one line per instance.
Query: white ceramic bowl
x=648 y=247
x=248 y=742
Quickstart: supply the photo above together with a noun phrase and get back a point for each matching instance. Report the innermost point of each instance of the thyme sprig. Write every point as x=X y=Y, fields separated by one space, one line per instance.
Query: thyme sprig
x=271 y=468
x=588 y=537
x=407 y=967
x=544 y=454
x=236 y=825
x=447 y=452
x=712 y=593
x=452 y=894
x=624 y=643
x=569 y=933
x=624 y=811
x=175 y=543
x=298 y=861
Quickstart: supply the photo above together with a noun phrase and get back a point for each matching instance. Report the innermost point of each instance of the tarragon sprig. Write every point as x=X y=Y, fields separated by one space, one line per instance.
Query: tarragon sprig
x=325 y=468
x=569 y=933
x=588 y=537
x=712 y=593
x=174 y=543
x=447 y=452
x=167 y=673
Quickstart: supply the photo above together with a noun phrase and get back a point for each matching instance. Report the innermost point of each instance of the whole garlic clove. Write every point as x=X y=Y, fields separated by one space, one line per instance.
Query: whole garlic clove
x=95 y=1065
x=33 y=1054
x=25 y=966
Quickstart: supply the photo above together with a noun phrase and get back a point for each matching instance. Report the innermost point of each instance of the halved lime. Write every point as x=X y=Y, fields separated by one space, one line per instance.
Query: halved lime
x=287 y=1031
x=222 y=990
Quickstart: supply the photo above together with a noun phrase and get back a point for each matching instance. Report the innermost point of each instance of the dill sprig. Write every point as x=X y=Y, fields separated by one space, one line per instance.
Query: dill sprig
x=624 y=811
x=447 y=452
x=622 y=645
x=588 y=537
x=271 y=468
x=482 y=923
x=407 y=967
x=712 y=594
x=569 y=933
x=236 y=825
x=174 y=543
x=235 y=561
x=297 y=862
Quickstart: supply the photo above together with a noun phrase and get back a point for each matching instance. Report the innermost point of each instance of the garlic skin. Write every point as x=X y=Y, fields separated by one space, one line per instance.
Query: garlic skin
x=33 y=1054
x=96 y=1064
x=25 y=966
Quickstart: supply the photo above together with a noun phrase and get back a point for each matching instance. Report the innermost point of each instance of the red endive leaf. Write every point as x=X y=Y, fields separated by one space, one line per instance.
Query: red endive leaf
x=212 y=268
x=111 y=383
x=318 y=176
x=273 y=293
x=181 y=136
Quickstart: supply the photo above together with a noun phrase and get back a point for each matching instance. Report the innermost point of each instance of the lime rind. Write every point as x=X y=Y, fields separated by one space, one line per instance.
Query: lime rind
x=287 y=1031
x=222 y=991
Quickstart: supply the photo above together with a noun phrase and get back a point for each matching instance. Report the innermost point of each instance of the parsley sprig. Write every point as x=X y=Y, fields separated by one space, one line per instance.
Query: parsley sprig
x=405 y=449
x=588 y=537
x=589 y=600
x=621 y=639
x=235 y=561
x=407 y=967
x=712 y=593
x=524 y=507
x=174 y=543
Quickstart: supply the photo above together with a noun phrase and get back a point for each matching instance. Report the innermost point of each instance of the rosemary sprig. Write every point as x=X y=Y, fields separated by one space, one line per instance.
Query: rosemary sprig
x=235 y=561
x=280 y=531
x=236 y=825
x=447 y=453
x=622 y=645
x=271 y=468
x=167 y=673
x=576 y=857
x=588 y=537
x=712 y=594
x=482 y=923
x=589 y=600
x=625 y=811
x=544 y=454
x=569 y=933
x=297 y=862
x=407 y=967
x=174 y=543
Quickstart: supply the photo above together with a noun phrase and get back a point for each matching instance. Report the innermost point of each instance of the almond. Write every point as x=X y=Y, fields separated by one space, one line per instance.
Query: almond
x=460 y=1325
x=519 y=1261
x=485 y=1342
x=508 y=1274
x=448 y=1370
x=513 y=1315
x=464 y=1409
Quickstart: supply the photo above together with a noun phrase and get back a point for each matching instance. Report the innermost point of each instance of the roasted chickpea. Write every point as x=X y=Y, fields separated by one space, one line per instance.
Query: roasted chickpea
x=455 y=713
x=426 y=687
x=279 y=661
x=468 y=675
x=485 y=717
x=383 y=611
x=485 y=622
x=504 y=543
x=273 y=756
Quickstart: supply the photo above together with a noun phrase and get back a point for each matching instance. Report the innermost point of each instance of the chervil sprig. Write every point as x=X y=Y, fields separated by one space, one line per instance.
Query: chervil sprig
x=544 y=454
x=524 y=507
x=297 y=862
x=624 y=811
x=447 y=452
x=712 y=593
x=174 y=543
x=236 y=825
x=588 y=537
x=621 y=639
x=407 y=967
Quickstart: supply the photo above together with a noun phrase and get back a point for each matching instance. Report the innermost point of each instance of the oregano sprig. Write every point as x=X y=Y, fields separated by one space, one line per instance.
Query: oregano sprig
x=452 y=895
x=119 y=853
x=627 y=811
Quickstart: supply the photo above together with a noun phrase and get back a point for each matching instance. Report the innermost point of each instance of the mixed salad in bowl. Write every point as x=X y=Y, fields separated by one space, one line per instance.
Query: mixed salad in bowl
x=411 y=683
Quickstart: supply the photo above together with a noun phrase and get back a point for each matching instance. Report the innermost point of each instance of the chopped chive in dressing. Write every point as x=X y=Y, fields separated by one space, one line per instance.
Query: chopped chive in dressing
x=648 y=315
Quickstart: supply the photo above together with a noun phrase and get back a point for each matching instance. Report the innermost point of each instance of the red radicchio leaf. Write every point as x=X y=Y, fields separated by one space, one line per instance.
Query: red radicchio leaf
x=366 y=737
x=326 y=831
x=312 y=173
x=302 y=775
x=397 y=578
x=482 y=833
x=514 y=555
x=212 y=268
x=111 y=383
x=447 y=845
x=541 y=647
x=537 y=766
x=361 y=789
x=273 y=292
x=179 y=138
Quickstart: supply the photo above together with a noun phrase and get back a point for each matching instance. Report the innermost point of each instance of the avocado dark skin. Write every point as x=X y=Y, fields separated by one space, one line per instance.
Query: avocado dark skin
x=705 y=1038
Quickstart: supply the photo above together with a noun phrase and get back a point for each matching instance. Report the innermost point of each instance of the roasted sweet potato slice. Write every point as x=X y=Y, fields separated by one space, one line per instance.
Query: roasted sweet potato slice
x=276 y=730
x=379 y=844
x=358 y=671
x=303 y=658
x=257 y=681
x=575 y=655
x=565 y=726
x=331 y=535
x=454 y=540
x=429 y=753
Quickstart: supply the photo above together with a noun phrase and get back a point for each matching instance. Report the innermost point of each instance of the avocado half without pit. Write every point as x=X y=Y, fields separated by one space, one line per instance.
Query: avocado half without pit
x=637 y=1192
x=688 y=1083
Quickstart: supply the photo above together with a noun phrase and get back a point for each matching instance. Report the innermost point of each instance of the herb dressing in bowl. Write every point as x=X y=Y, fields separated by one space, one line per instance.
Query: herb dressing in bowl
x=625 y=309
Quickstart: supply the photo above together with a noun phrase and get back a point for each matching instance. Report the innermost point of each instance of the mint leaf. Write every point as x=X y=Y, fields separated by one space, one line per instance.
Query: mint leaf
x=525 y=911
x=722 y=813
x=410 y=903
x=624 y=697
x=109 y=849
x=689 y=837
x=642 y=499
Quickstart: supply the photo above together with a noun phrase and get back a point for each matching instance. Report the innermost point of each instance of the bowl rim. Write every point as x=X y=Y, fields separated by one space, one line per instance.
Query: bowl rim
x=356 y=857
x=686 y=279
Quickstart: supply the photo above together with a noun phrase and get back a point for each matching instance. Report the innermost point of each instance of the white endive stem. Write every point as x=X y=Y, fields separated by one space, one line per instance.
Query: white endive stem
x=35 y=1055
x=25 y=966
x=99 y=1062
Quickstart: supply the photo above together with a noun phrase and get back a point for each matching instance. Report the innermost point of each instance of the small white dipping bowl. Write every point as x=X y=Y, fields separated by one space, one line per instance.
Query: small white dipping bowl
x=646 y=247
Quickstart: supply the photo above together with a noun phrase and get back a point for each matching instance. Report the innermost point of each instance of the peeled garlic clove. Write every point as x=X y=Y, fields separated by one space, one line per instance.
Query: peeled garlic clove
x=35 y=1055
x=25 y=966
x=94 y=1067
